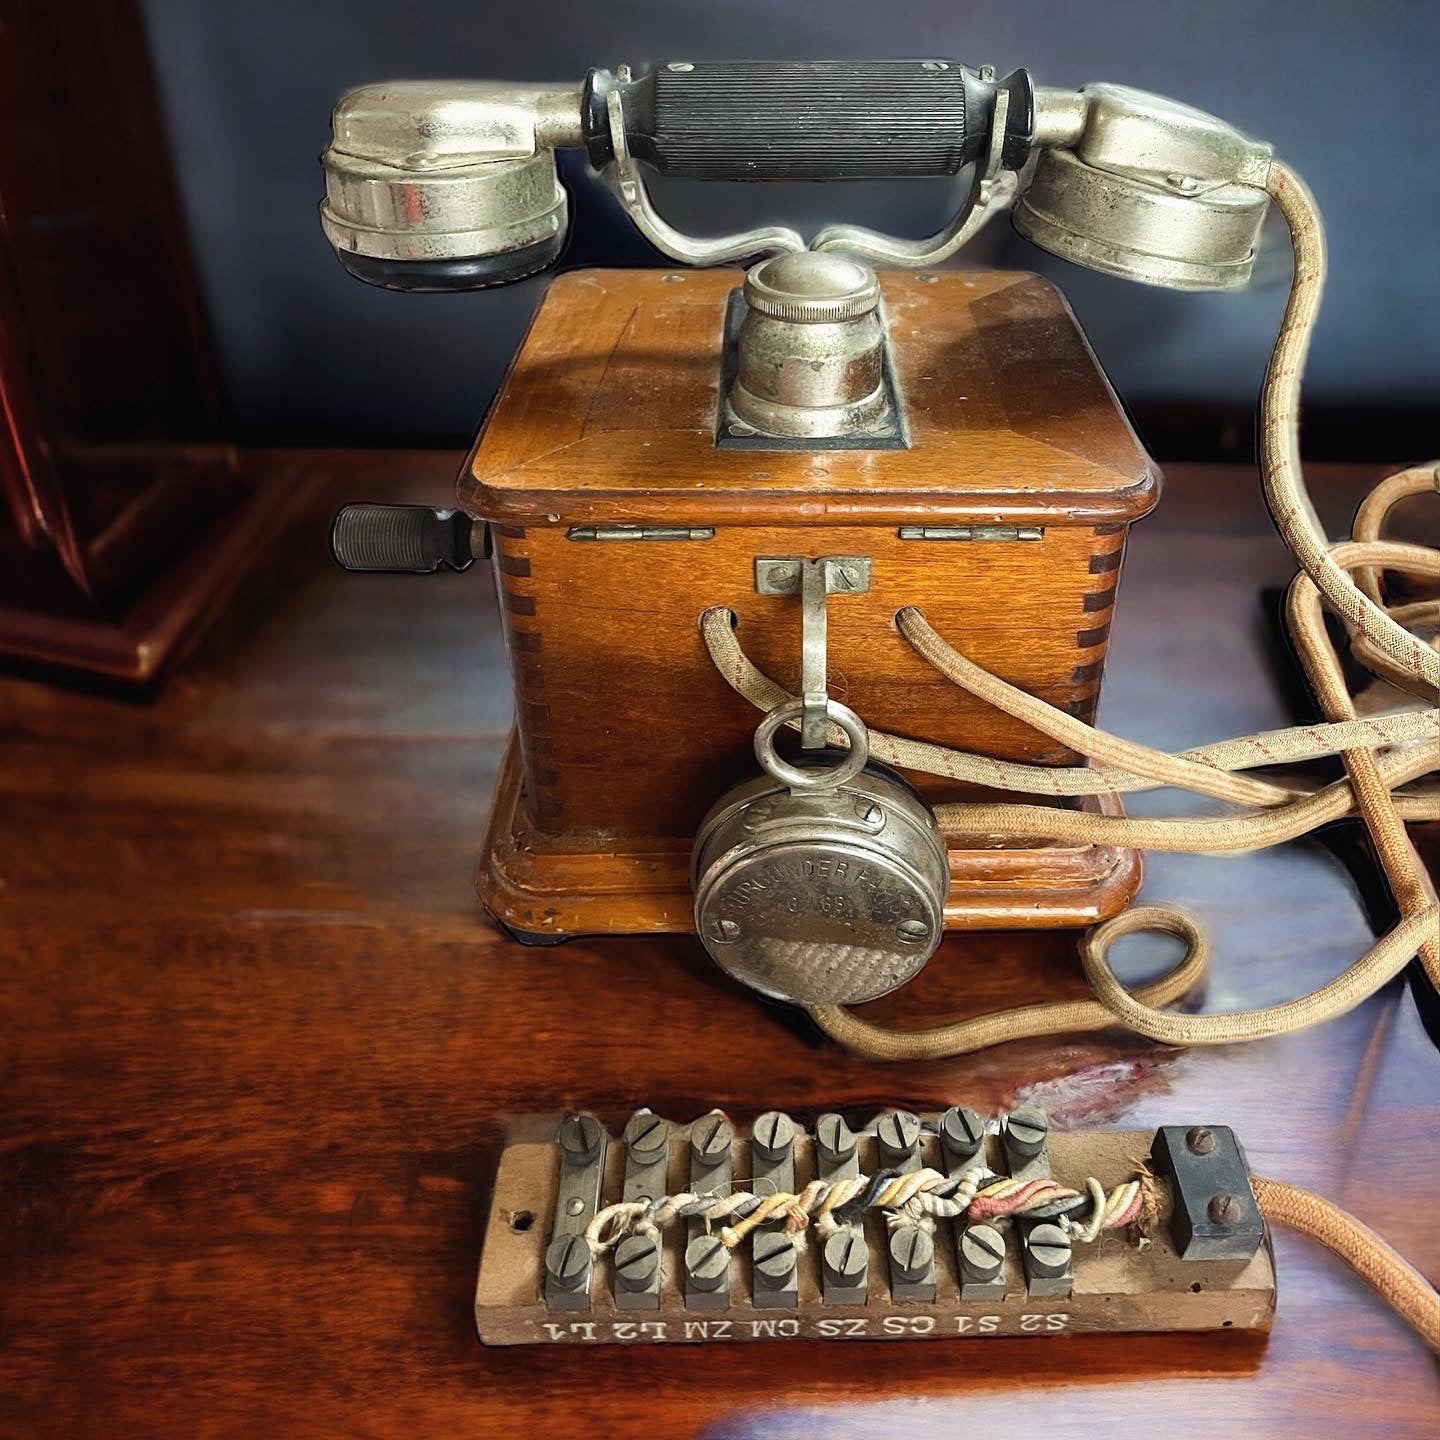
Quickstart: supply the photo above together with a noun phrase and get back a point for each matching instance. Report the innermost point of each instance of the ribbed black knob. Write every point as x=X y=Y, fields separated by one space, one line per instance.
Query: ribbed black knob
x=404 y=539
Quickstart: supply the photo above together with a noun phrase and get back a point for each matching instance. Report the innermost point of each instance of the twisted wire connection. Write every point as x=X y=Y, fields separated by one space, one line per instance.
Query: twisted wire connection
x=917 y=1197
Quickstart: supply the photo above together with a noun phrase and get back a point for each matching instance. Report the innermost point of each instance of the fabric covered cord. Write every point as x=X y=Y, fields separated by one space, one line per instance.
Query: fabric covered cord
x=1374 y=512
x=1025 y=1022
x=1381 y=963
x=1217 y=835
x=1272 y=747
x=1397 y=1282
x=1280 y=470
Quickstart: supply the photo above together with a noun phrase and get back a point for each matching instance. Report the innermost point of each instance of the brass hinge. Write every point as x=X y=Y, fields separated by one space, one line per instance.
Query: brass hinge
x=972 y=532
x=640 y=532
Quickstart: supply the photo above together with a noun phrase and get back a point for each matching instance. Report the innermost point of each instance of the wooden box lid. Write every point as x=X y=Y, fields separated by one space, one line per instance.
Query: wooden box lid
x=609 y=414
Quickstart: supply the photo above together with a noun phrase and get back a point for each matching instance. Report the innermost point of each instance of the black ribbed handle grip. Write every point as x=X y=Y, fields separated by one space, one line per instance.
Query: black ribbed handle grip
x=403 y=539
x=813 y=120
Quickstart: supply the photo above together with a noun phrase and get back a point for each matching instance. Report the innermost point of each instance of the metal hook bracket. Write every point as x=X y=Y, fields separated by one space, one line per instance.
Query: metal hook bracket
x=814 y=581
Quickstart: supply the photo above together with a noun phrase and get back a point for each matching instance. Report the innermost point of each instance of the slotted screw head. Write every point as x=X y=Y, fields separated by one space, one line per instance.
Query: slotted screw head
x=982 y=1252
x=773 y=1134
x=845 y=1258
x=723 y=931
x=567 y=1261
x=707 y=1262
x=636 y=1258
x=912 y=1251
x=835 y=1138
x=962 y=1130
x=1049 y=1250
x=899 y=1130
x=645 y=1135
x=1200 y=1140
x=774 y=1255
x=1225 y=1209
x=913 y=932
x=710 y=1138
x=1027 y=1129
x=580 y=1137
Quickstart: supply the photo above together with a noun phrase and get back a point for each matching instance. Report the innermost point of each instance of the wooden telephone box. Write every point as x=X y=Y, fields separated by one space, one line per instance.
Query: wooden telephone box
x=619 y=508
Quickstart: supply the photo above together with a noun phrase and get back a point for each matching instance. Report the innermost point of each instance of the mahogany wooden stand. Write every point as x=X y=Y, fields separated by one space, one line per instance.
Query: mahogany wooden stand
x=124 y=515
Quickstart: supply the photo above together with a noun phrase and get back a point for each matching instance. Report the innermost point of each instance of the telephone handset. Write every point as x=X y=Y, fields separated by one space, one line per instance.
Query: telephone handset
x=453 y=186
x=829 y=882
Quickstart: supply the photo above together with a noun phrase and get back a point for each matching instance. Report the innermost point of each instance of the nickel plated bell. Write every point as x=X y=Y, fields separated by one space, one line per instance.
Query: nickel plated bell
x=821 y=883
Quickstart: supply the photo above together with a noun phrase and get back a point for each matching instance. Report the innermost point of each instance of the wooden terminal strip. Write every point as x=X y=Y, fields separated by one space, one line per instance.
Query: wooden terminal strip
x=1117 y=1286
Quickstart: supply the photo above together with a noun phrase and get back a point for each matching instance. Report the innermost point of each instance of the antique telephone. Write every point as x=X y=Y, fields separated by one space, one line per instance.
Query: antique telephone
x=676 y=470
x=897 y=457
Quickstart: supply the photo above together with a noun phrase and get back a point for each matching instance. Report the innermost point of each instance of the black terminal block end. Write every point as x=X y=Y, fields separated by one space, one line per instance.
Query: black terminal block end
x=401 y=539
x=1215 y=1215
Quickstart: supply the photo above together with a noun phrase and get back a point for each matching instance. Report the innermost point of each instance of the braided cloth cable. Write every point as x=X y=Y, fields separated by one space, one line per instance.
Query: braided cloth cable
x=1397 y=1282
x=917 y=1197
x=1271 y=747
x=1414 y=663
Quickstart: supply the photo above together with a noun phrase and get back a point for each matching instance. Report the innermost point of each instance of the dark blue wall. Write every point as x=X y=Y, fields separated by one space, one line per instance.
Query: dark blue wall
x=1345 y=91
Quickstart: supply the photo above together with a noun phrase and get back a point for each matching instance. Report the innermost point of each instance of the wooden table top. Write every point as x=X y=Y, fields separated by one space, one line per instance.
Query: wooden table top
x=258 y=1047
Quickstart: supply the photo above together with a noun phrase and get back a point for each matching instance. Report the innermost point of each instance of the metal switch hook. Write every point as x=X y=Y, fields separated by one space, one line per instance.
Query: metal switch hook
x=814 y=581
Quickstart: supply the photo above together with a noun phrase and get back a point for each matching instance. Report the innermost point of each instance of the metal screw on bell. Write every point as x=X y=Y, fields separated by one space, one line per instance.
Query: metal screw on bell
x=567 y=1261
x=636 y=1259
x=707 y=1262
x=710 y=1139
x=580 y=1137
x=773 y=1134
x=1049 y=1249
x=913 y=932
x=1027 y=1129
x=723 y=931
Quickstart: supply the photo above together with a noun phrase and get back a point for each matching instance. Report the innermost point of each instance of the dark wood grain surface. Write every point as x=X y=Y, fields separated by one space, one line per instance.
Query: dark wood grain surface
x=258 y=1049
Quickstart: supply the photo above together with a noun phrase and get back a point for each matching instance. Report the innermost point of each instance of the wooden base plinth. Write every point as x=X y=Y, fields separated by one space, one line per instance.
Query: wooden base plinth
x=544 y=890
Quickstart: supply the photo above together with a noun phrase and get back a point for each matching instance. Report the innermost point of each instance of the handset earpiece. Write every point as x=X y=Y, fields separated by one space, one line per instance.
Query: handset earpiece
x=443 y=186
